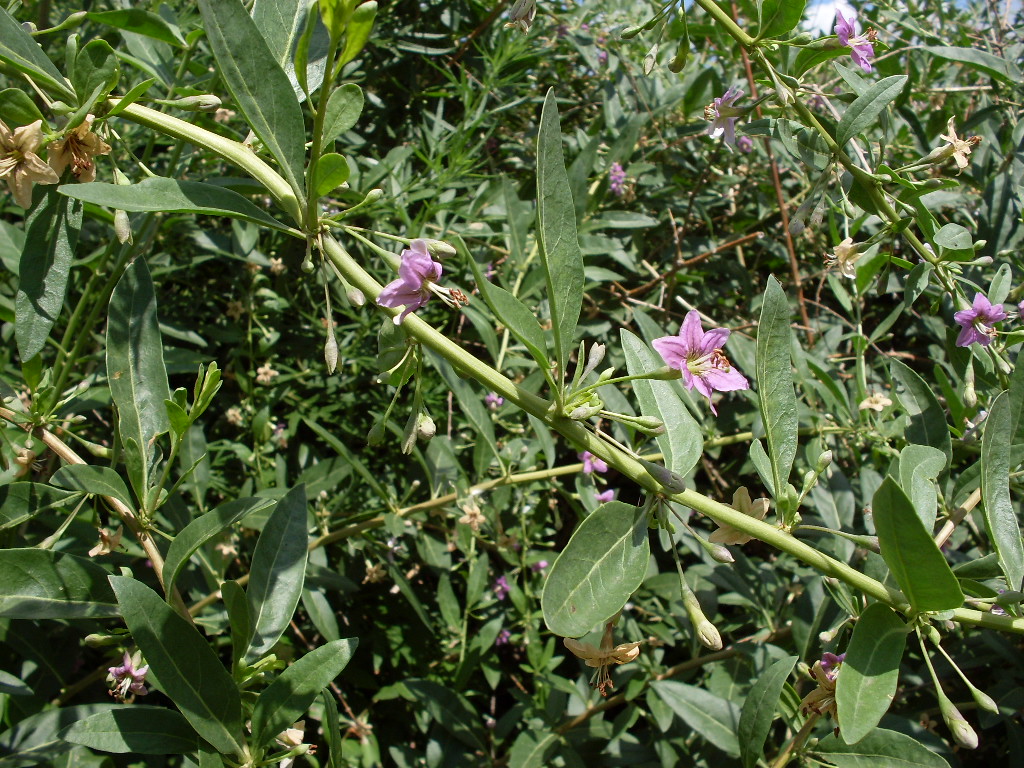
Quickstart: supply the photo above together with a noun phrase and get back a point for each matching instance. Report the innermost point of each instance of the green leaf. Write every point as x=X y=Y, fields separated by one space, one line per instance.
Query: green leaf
x=141 y=22
x=95 y=73
x=278 y=571
x=51 y=238
x=258 y=85
x=20 y=50
x=238 y=618
x=182 y=660
x=910 y=552
x=102 y=481
x=34 y=740
x=162 y=195
x=514 y=315
x=344 y=106
x=22 y=501
x=204 y=528
x=1000 y=515
x=775 y=384
x=282 y=23
x=777 y=17
x=919 y=466
x=357 y=32
x=601 y=566
x=758 y=710
x=331 y=725
x=287 y=698
x=982 y=61
x=451 y=711
x=880 y=749
x=559 y=248
x=42 y=584
x=927 y=419
x=135 y=368
x=713 y=718
x=681 y=443
x=17 y=108
x=531 y=749
x=471 y=403
x=864 y=111
x=331 y=172
x=867 y=678
x=134 y=728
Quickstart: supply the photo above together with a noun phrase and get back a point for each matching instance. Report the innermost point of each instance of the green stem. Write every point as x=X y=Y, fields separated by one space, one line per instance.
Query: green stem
x=726 y=21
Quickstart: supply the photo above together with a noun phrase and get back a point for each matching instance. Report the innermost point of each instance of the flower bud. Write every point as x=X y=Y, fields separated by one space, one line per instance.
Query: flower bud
x=97 y=640
x=440 y=249
x=205 y=102
x=376 y=434
x=984 y=701
x=720 y=553
x=709 y=636
x=823 y=462
x=651 y=59
x=963 y=733
x=425 y=427
x=331 y=351
x=355 y=297
x=630 y=32
x=122 y=227
x=669 y=480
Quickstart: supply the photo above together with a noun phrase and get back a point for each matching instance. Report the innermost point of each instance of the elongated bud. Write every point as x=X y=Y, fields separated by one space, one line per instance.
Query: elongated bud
x=441 y=249
x=99 y=641
x=594 y=358
x=331 y=351
x=669 y=480
x=205 y=102
x=963 y=733
x=651 y=59
x=122 y=227
x=709 y=636
x=356 y=297
x=823 y=462
x=970 y=394
x=630 y=32
x=376 y=434
x=720 y=553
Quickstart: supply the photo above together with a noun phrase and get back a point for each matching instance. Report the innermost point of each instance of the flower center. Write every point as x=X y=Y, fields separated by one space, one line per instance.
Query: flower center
x=714 y=360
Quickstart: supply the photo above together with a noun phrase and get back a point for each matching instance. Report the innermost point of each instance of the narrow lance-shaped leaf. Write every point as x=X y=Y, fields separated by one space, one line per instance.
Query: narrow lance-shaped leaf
x=601 y=566
x=1000 y=516
x=910 y=552
x=775 y=384
x=758 y=710
x=287 y=698
x=99 y=480
x=927 y=418
x=41 y=584
x=19 y=49
x=864 y=111
x=278 y=572
x=282 y=23
x=879 y=749
x=187 y=668
x=51 y=238
x=559 y=247
x=135 y=367
x=867 y=678
x=258 y=85
x=134 y=728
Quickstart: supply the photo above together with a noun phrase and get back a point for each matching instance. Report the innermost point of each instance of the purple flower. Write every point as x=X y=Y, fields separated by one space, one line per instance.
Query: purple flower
x=592 y=464
x=503 y=638
x=1020 y=309
x=977 y=322
x=493 y=400
x=500 y=587
x=861 y=49
x=617 y=179
x=539 y=566
x=605 y=497
x=699 y=356
x=127 y=679
x=745 y=144
x=723 y=116
x=830 y=664
x=602 y=56
x=415 y=275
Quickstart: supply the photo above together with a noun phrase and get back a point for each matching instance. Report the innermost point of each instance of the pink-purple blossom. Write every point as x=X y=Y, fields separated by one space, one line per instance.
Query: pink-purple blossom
x=617 y=180
x=830 y=663
x=723 y=116
x=592 y=463
x=605 y=496
x=415 y=276
x=861 y=49
x=698 y=355
x=500 y=587
x=977 y=322
x=126 y=679
x=745 y=144
x=503 y=638
x=493 y=400
x=539 y=566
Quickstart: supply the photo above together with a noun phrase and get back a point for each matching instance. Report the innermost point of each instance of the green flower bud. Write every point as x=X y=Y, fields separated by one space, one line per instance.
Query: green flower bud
x=963 y=733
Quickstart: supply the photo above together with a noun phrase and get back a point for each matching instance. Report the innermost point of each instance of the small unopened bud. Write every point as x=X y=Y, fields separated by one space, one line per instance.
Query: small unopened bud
x=331 y=351
x=669 y=480
x=651 y=59
x=425 y=428
x=376 y=434
x=356 y=297
x=122 y=227
x=825 y=638
x=441 y=249
x=932 y=634
x=205 y=102
x=823 y=461
x=630 y=32
x=709 y=636
x=720 y=553
x=963 y=733
x=96 y=640
x=307 y=266
x=984 y=701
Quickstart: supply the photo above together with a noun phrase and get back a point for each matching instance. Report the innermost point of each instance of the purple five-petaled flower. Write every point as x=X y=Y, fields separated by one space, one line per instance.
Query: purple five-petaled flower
x=503 y=637
x=592 y=464
x=723 y=116
x=493 y=400
x=605 y=497
x=861 y=49
x=699 y=356
x=500 y=587
x=977 y=322
x=830 y=663
x=617 y=179
x=127 y=679
x=415 y=275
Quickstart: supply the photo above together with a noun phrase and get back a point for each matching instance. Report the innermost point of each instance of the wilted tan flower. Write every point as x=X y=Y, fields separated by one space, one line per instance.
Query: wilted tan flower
x=25 y=459
x=374 y=572
x=473 y=517
x=957 y=148
x=19 y=163
x=875 y=402
x=234 y=416
x=844 y=258
x=235 y=309
x=77 y=150
x=741 y=502
x=522 y=15
x=277 y=266
x=223 y=115
x=265 y=374
x=822 y=700
x=109 y=542
x=603 y=657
